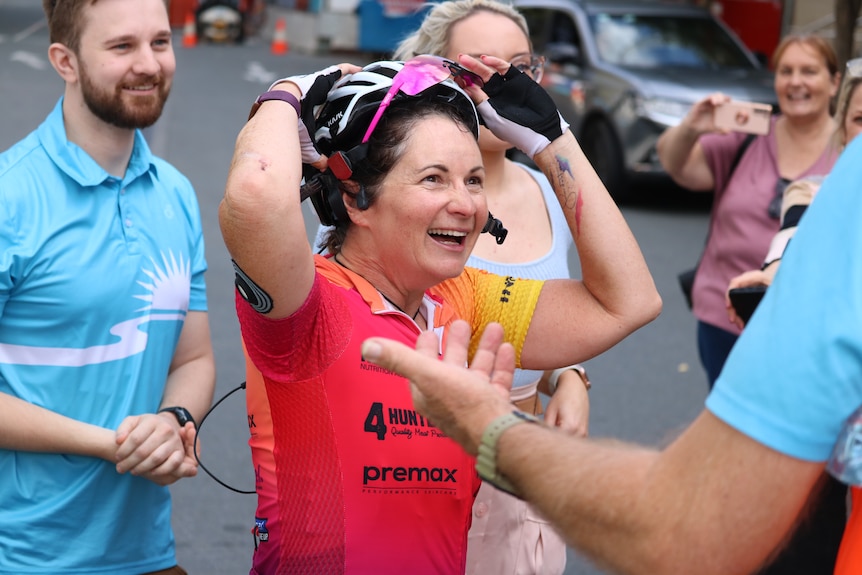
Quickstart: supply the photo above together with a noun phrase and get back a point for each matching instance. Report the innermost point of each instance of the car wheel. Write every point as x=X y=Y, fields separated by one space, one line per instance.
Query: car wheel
x=602 y=148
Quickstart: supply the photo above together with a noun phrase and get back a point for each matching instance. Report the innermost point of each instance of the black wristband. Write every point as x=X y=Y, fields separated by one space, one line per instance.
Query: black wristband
x=182 y=414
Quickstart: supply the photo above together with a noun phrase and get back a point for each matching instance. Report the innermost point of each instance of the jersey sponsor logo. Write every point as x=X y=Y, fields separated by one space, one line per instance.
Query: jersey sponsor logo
x=409 y=478
x=168 y=289
x=398 y=422
x=507 y=285
x=365 y=366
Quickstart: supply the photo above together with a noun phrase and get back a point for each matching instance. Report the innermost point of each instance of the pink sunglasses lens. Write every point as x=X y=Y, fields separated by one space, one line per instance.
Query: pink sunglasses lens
x=440 y=69
x=419 y=74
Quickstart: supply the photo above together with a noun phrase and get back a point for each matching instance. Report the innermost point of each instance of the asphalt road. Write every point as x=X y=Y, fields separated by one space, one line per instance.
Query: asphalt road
x=645 y=389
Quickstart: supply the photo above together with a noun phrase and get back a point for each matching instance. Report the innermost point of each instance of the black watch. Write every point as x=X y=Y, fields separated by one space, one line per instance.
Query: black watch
x=182 y=414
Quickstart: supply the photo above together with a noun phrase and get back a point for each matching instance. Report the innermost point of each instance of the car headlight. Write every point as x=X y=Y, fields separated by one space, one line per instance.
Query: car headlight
x=662 y=111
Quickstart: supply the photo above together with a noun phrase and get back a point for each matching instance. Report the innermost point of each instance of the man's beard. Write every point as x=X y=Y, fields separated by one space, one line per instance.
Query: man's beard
x=135 y=112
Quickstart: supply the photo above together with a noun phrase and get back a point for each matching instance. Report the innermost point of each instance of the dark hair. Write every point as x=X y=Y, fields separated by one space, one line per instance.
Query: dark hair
x=386 y=147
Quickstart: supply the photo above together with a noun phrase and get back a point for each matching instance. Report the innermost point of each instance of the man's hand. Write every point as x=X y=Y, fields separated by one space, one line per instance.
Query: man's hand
x=155 y=447
x=460 y=401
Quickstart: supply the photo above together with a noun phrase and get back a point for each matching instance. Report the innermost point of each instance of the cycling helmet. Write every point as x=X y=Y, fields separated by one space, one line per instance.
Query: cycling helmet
x=343 y=123
x=352 y=103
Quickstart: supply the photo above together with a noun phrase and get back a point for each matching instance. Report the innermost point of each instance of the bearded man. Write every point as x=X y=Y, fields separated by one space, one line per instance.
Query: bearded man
x=105 y=351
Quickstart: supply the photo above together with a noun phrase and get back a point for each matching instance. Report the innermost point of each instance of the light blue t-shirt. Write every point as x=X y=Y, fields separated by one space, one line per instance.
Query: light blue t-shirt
x=795 y=374
x=96 y=277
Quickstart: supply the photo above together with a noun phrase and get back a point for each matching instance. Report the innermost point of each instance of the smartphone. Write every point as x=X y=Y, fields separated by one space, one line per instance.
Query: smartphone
x=745 y=300
x=739 y=116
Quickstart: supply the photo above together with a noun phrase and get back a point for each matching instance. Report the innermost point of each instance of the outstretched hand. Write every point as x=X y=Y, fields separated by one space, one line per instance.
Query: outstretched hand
x=461 y=401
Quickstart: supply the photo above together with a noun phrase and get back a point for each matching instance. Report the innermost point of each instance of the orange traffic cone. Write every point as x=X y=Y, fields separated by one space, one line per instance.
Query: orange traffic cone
x=279 y=38
x=190 y=32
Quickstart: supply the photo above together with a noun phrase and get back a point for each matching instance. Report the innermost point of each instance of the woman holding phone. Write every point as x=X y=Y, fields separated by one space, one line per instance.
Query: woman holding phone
x=746 y=215
x=699 y=156
x=801 y=192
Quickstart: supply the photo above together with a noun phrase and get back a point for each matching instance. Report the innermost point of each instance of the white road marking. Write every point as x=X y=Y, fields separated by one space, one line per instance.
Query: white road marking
x=255 y=72
x=28 y=59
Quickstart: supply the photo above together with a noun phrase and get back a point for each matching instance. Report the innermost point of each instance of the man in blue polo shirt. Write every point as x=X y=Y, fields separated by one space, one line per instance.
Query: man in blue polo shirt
x=105 y=352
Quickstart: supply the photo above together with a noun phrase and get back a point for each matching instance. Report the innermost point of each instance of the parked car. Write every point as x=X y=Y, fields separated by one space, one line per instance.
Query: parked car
x=621 y=72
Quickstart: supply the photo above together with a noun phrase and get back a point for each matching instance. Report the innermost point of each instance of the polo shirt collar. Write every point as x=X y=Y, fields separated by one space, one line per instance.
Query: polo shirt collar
x=78 y=164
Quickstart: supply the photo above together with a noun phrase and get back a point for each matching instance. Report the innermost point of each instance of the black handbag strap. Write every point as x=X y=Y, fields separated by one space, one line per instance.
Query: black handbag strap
x=739 y=152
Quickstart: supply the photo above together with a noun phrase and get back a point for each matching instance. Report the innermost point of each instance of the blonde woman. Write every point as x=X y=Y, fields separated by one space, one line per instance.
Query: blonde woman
x=507 y=536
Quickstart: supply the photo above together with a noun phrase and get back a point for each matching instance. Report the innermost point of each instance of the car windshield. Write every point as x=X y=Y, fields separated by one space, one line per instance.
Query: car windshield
x=661 y=41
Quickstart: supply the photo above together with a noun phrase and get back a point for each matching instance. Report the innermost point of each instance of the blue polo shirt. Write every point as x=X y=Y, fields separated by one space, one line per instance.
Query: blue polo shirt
x=97 y=274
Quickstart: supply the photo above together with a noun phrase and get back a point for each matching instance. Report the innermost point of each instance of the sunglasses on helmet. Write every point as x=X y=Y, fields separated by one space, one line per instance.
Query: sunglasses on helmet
x=417 y=75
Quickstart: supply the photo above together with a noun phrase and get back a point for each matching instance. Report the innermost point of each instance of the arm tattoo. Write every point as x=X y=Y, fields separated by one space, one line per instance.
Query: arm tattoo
x=568 y=186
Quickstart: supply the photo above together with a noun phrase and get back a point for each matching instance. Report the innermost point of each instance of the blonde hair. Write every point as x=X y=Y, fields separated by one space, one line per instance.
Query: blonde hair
x=848 y=87
x=432 y=37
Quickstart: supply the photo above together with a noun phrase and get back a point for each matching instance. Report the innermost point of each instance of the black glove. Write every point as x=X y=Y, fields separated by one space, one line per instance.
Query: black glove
x=314 y=87
x=520 y=112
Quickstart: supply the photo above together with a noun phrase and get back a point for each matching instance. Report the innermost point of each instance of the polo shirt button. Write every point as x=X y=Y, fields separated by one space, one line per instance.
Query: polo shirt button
x=128 y=223
x=481 y=510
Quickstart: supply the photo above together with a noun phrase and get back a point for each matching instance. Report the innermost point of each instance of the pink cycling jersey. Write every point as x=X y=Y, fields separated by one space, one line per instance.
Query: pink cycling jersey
x=350 y=478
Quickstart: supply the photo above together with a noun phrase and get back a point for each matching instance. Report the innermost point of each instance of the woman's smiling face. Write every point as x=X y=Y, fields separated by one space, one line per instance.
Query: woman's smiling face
x=803 y=83
x=431 y=207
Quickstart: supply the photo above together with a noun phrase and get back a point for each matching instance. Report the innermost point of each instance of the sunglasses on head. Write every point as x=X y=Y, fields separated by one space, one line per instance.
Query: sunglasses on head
x=419 y=74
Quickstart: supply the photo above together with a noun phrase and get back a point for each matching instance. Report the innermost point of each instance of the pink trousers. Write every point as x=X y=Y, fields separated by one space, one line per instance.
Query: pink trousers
x=509 y=537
